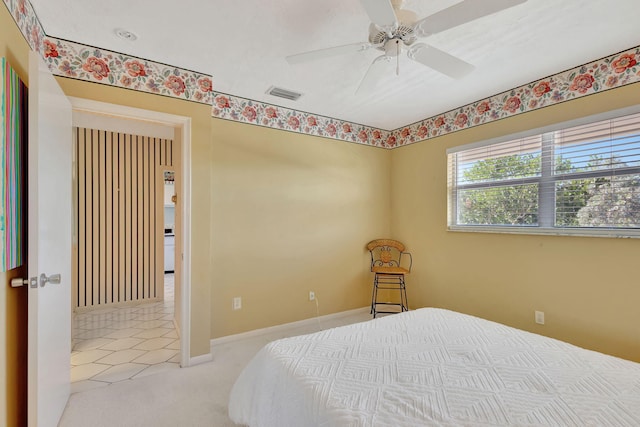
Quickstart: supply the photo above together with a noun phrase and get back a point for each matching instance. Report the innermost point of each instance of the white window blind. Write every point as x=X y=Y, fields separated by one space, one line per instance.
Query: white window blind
x=584 y=178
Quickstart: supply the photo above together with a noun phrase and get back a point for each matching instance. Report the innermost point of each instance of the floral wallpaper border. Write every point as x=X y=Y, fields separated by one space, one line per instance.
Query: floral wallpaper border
x=244 y=110
x=69 y=59
x=74 y=60
x=27 y=21
x=603 y=74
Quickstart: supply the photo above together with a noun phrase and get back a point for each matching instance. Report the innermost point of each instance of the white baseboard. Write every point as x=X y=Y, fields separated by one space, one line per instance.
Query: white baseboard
x=198 y=360
x=286 y=326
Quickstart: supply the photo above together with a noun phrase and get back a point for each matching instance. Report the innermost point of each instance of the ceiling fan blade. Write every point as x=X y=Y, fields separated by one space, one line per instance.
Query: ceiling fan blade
x=461 y=13
x=373 y=75
x=329 y=52
x=439 y=60
x=380 y=13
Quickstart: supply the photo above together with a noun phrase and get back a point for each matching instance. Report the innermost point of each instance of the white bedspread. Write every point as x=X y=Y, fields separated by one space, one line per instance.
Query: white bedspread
x=433 y=367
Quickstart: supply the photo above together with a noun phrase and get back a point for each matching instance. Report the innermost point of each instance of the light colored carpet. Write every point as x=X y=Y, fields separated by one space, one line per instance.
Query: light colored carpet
x=194 y=397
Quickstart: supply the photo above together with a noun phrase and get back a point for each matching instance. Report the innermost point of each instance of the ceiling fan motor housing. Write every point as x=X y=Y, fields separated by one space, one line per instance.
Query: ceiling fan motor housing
x=404 y=30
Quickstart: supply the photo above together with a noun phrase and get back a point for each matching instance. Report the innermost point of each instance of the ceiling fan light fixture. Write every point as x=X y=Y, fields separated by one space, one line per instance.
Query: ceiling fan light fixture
x=394 y=47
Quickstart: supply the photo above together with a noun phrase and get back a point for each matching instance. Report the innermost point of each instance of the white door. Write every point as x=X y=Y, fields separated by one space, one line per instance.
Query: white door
x=49 y=172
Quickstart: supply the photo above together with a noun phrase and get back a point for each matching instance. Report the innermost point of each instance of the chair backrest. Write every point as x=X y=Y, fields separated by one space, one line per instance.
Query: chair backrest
x=385 y=252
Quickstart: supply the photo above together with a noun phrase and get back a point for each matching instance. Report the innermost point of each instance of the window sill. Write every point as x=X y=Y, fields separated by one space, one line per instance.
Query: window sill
x=610 y=233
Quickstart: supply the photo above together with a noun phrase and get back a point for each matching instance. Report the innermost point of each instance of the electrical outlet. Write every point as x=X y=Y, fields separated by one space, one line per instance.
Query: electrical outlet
x=312 y=295
x=237 y=303
x=540 y=317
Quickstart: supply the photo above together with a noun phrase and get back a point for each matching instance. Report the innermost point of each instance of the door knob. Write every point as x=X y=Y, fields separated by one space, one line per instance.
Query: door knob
x=53 y=279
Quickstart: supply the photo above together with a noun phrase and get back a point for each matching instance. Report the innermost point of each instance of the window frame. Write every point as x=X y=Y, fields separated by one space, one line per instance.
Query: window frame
x=546 y=181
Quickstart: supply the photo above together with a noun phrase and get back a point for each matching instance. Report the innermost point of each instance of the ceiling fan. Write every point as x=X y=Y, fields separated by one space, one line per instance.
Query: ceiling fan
x=394 y=30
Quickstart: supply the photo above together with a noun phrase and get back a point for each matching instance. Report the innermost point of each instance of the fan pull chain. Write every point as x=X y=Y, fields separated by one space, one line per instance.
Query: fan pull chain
x=398 y=58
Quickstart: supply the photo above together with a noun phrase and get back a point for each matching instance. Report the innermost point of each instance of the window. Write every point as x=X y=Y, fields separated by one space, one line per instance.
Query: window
x=576 y=180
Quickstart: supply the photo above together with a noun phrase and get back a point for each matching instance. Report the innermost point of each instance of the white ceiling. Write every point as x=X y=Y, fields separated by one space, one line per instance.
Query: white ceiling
x=243 y=43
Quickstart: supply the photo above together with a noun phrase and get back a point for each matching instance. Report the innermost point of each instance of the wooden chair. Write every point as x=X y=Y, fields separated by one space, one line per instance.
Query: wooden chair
x=389 y=273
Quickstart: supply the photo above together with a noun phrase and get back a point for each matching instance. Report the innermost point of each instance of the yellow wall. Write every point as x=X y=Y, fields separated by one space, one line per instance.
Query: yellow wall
x=13 y=302
x=291 y=214
x=588 y=287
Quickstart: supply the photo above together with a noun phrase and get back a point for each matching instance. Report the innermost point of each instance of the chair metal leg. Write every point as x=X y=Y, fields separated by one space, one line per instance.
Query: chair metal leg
x=391 y=282
x=403 y=295
x=374 y=295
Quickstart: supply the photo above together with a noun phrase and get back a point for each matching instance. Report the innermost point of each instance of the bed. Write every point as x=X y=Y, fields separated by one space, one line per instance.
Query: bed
x=433 y=367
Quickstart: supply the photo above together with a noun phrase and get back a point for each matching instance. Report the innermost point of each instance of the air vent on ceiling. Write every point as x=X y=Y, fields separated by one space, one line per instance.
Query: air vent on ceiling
x=284 y=93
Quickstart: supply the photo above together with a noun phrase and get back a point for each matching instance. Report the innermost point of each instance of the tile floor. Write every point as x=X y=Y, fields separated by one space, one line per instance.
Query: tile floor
x=119 y=344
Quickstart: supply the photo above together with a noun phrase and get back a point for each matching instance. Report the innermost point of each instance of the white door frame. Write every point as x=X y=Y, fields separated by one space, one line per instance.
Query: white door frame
x=184 y=124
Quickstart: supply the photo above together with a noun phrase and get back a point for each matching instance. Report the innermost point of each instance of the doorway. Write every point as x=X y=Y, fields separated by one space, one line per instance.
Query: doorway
x=128 y=330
